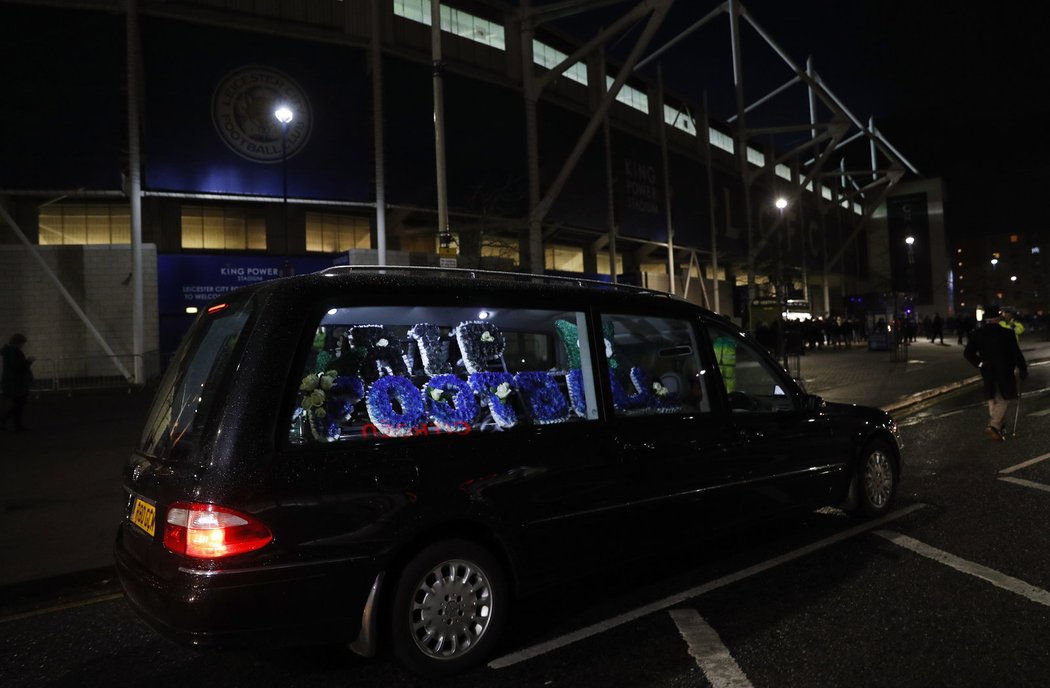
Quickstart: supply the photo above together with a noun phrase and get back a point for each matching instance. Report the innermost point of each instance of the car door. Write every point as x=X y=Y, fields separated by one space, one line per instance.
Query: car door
x=670 y=442
x=786 y=451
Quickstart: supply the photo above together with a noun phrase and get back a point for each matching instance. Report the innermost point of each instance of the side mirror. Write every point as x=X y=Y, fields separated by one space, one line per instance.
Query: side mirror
x=813 y=402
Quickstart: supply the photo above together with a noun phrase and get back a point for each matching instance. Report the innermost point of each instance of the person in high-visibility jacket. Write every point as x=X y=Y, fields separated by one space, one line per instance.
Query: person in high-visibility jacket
x=1008 y=319
x=725 y=354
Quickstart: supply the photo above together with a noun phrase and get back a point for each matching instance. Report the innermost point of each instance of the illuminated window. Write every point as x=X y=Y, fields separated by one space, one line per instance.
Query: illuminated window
x=756 y=157
x=720 y=140
x=631 y=97
x=783 y=171
x=563 y=258
x=454 y=21
x=857 y=209
x=825 y=192
x=331 y=233
x=216 y=227
x=679 y=119
x=603 y=263
x=507 y=248
x=546 y=56
x=1013 y=239
x=1035 y=250
x=84 y=223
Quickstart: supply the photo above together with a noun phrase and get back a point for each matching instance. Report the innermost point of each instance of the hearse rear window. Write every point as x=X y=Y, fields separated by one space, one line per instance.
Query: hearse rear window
x=399 y=371
x=192 y=381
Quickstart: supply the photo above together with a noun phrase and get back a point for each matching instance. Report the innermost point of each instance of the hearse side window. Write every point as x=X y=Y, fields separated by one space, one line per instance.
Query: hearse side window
x=411 y=371
x=753 y=383
x=653 y=365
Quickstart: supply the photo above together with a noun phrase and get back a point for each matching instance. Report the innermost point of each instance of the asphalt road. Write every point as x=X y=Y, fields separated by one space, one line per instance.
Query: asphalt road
x=950 y=590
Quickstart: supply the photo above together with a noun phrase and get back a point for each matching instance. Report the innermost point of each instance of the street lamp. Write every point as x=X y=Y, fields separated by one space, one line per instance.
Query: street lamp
x=781 y=203
x=284 y=115
x=995 y=282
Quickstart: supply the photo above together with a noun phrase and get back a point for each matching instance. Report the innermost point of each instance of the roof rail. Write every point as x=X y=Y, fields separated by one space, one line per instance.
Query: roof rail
x=471 y=273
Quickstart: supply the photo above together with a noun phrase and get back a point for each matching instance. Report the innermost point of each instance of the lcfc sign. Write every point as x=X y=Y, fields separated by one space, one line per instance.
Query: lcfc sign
x=242 y=109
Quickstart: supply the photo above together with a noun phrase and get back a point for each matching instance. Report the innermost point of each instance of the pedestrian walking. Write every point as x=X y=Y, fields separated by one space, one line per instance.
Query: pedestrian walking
x=995 y=351
x=15 y=381
x=1010 y=322
x=937 y=331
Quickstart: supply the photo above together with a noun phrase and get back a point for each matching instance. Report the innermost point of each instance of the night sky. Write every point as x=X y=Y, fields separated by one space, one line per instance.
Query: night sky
x=960 y=89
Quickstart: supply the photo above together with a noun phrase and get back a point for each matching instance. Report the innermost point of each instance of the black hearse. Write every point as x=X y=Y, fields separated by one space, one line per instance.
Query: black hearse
x=394 y=456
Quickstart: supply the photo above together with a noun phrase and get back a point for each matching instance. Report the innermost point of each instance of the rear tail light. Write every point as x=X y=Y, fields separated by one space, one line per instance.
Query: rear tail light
x=207 y=531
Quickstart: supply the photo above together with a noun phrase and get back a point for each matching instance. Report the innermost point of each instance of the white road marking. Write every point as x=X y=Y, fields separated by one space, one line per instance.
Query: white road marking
x=1036 y=414
x=1026 y=464
x=62 y=607
x=1000 y=580
x=710 y=653
x=1027 y=483
x=660 y=605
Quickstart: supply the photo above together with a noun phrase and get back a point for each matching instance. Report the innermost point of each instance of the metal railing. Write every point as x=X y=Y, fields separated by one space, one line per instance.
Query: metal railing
x=71 y=373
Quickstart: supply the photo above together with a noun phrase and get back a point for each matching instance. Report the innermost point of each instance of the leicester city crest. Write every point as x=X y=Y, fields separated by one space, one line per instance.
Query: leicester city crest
x=243 y=107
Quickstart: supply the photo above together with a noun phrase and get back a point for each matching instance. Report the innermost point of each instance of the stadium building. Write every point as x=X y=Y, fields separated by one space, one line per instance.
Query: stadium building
x=145 y=170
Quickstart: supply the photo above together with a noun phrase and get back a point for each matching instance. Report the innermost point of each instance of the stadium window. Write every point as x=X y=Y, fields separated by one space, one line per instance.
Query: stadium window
x=783 y=171
x=603 y=263
x=84 y=223
x=857 y=210
x=546 y=56
x=720 y=140
x=456 y=22
x=630 y=97
x=221 y=228
x=496 y=246
x=679 y=119
x=563 y=258
x=1014 y=238
x=755 y=157
x=825 y=192
x=332 y=233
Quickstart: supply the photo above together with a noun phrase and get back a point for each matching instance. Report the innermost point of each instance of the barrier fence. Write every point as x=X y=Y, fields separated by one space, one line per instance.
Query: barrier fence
x=96 y=372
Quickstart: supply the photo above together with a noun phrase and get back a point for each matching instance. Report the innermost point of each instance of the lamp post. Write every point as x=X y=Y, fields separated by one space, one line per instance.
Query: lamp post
x=994 y=300
x=284 y=115
x=910 y=241
x=781 y=203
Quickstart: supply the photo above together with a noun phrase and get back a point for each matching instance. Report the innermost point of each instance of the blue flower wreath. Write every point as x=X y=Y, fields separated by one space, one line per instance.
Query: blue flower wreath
x=346 y=391
x=493 y=389
x=433 y=348
x=385 y=353
x=637 y=399
x=541 y=395
x=379 y=403
x=577 y=395
x=480 y=342
x=450 y=403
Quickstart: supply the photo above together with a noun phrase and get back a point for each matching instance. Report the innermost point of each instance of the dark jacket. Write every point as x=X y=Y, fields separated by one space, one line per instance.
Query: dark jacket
x=17 y=375
x=995 y=351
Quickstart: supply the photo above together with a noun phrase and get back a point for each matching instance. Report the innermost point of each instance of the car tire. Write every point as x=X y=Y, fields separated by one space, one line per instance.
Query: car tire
x=449 y=608
x=876 y=480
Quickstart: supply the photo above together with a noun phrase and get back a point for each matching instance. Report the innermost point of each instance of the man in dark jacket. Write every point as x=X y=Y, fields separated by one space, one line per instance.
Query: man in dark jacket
x=16 y=379
x=994 y=350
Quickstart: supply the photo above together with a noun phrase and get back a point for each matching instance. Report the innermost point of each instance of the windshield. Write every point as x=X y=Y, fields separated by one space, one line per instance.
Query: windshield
x=191 y=384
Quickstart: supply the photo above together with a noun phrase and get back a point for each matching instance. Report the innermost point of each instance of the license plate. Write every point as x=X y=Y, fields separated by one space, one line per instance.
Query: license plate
x=144 y=515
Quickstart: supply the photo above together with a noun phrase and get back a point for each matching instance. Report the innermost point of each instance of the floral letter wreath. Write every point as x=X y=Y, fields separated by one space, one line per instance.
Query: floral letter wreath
x=450 y=403
x=432 y=348
x=381 y=409
x=480 y=342
x=494 y=390
x=326 y=399
x=541 y=394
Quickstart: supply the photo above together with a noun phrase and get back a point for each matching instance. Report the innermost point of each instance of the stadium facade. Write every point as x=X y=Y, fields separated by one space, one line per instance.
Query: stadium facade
x=130 y=197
